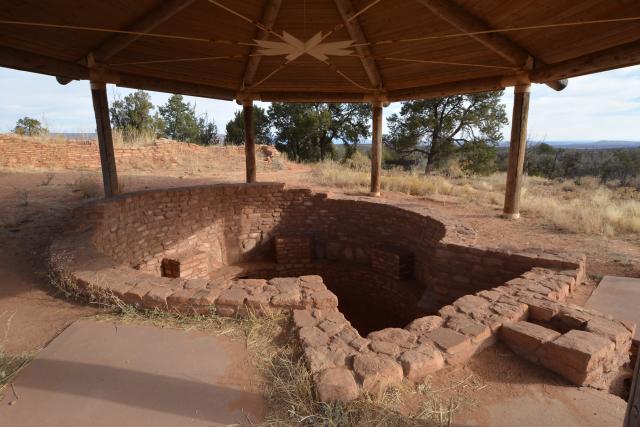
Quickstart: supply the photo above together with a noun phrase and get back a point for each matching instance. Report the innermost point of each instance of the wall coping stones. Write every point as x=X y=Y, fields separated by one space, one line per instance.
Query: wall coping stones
x=527 y=312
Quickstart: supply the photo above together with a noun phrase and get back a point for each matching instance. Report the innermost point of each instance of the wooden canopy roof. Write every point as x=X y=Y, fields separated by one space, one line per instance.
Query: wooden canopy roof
x=319 y=50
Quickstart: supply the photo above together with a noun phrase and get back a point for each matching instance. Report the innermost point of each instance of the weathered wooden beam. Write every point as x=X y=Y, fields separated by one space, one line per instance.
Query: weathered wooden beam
x=164 y=11
x=306 y=97
x=617 y=57
x=27 y=61
x=466 y=22
x=269 y=15
x=517 y=149
x=249 y=141
x=133 y=81
x=485 y=84
x=345 y=8
x=105 y=140
x=376 y=148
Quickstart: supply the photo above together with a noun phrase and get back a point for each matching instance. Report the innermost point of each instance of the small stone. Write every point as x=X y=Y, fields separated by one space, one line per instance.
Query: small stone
x=418 y=364
x=424 y=325
x=376 y=372
x=285 y=284
x=336 y=384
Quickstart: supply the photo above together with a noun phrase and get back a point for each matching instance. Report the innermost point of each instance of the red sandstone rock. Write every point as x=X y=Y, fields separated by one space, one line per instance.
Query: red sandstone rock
x=330 y=327
x=324 y=299
x=577 y=355
x=302 y=318
x=477 y=332
x=470 y=303
x=572 y=317
x=287 y=299
x=418 y=364
x=232 y=296
x=613 y=330
x=336 y=384
x=540 y=310
x=449 y=340
x=156 y=297
x=313 y=336
x=317 y=359
x=386 y=348
x=376 y=372
x=286 y=284
x=400 y=337
x=526 y=338
x=424 y=325
x=134 y=295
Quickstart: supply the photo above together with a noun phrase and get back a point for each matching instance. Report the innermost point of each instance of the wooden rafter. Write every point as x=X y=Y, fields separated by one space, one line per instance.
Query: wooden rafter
x=345 y=8
x=151 y=20
x=466 y=22
x=269 y=15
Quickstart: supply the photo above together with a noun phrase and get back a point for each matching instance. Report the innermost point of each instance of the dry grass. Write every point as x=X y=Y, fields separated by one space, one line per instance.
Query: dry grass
x=86 y=186
x=133 y=138
x=10 y=364
x=581 y=206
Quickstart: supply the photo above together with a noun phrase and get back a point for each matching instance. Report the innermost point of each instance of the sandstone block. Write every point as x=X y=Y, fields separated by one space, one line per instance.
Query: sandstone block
x=376 y=372
x=285 y=284
x=526 y=338
x=449 y=340
x=312 y=336
x=418 y=364
x=477 y=332
x=331 y=328
x=317 y=359
x=302 y=318
x=383 y=347
x=575 y=354
x=232 y=296
x=424 y=324
x=287 y=299
x=324 y=299
x=336 y=384
x=572 y=317
x=400 y=337
x=156 y=297
x=613 y=330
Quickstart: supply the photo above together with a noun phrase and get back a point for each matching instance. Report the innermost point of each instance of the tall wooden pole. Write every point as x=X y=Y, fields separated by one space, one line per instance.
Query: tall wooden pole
x=376 y=148
x=249 y=141
x=517 y=148
x=105 y=140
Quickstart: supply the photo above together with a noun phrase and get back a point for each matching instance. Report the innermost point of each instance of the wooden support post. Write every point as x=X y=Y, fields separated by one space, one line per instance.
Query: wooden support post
x=376 y=148
x=105 y=140
x=249 y=141
x=517 y=148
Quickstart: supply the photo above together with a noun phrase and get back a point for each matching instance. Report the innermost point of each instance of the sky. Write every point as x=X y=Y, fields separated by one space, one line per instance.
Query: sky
x=603 y=106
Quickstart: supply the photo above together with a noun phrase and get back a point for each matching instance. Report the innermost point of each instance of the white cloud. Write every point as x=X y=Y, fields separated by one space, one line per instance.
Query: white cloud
x=599 y=106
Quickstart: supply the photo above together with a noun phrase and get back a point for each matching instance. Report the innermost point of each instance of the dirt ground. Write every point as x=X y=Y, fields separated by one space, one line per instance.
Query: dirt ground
x=33 y=212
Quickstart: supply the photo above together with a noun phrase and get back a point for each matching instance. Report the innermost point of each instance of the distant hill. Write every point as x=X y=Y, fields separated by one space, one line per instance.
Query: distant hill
x=594 y=145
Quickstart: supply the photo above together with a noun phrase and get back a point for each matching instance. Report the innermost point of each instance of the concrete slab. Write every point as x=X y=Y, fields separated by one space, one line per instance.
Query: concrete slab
x=619 y=297
x=107 y=374
x=573 y=407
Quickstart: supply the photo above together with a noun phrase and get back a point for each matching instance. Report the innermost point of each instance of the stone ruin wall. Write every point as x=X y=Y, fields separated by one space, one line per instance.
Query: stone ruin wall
x=62 y=154
x=247 y=236
x=237 y=224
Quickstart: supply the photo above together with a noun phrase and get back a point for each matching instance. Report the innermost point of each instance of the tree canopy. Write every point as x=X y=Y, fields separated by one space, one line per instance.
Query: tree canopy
x=181 y=123
x=306 y=132
x=134 y=113
x=468 y=125
x=28 y=126
x=235 y=127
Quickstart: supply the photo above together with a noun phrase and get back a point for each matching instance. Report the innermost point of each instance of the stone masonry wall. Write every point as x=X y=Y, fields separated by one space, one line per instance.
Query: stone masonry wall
x=42 y=153
x=509 y=295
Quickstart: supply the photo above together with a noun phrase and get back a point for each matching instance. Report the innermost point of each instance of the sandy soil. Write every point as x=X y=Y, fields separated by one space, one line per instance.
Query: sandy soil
x=32 y=213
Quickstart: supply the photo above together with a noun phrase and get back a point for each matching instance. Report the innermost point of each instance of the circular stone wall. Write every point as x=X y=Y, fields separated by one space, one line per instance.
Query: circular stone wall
x=346 y=267
x=388 y=264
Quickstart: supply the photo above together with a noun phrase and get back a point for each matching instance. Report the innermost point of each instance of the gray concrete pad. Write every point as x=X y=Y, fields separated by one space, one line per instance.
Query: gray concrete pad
x=619 y=297
x=108 y=374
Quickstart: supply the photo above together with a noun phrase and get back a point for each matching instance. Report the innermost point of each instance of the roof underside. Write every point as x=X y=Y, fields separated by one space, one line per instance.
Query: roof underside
x=401 y=49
